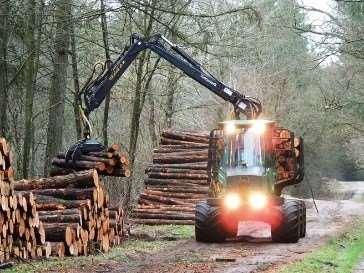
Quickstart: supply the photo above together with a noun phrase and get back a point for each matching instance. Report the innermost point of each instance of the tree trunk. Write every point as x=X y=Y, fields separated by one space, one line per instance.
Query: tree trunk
x=4 y=36
x=59 y=79
x=105 y=37
x=76 y=85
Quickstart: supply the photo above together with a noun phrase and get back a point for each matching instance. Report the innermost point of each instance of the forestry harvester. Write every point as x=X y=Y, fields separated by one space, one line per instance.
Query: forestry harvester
x=250 y=161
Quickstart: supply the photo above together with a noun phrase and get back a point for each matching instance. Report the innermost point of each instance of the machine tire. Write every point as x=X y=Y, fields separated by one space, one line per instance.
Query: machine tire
x=303 y=219
x=289 y=229
x=208 y=224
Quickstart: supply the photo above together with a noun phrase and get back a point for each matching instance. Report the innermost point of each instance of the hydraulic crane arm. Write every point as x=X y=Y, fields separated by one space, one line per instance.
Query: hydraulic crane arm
x=97 y=90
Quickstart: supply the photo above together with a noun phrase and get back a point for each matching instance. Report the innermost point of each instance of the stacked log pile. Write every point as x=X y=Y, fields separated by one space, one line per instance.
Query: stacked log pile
x=72 y=212
x=21 y=234
x=110 y=162
x=176 y=180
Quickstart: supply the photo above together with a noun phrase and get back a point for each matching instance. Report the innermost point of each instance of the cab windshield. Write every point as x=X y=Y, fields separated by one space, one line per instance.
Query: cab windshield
x=243 y=153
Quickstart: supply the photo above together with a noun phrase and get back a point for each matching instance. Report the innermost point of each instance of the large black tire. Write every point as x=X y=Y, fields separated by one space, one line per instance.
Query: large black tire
x=209 y=226
x=302 y=219
x=289 y=229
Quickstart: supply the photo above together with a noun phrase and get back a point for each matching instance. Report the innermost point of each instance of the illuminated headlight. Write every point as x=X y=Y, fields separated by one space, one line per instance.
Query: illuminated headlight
x=259 y=127
x=232 y=201
x=229 y=128
x=258 y=200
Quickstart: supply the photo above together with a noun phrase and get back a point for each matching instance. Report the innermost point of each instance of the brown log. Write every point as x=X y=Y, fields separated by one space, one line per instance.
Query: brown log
x=181 y=189
x=164 y=200
x=159 y=209
x=192 y=176
x=50 y=203
x=78 y=165
x=176 y=159
x=162 y=222
x=67 y=193
x=88 y=178
x=164 y=215
x=169 y=141
x=192 y=166
x=60 y=212
x=156 y=181
x=56 y=218
x=60 y=232
x=174 y=170
x=57 y=249
x=107 y=161
x=185 y=137
x=176 y=195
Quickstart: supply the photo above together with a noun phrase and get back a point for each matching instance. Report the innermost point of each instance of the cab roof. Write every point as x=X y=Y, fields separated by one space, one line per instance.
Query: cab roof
x=246 y=123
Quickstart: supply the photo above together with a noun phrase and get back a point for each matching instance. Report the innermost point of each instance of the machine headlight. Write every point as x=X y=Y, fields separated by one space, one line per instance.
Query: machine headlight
x=257 y=200
x=259 y=127
x=232 y=201
x=229 y=128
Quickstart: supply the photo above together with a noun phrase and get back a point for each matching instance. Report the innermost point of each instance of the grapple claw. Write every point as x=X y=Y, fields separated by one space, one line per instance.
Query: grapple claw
x=83 y=147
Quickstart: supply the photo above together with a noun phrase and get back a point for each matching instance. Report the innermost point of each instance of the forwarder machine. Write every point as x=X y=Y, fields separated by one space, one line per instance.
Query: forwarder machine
x=250 y=160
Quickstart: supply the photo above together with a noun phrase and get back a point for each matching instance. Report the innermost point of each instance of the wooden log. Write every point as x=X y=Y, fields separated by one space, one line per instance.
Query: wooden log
x=159 y=209
x=175 y=159
x=179 y=189
x=191 y=166
x=91 y=158
x=56 y=218
x=88 y=178
x=185 y=137
x=193 y=176
x=60 y=212
x=176 y=195
x=60 y=232
x=161 y=199
x=156 y=181
x=170 y=141
x=50 y=203
x=162 y=222
x=57 y=249
x=174 y=170
x=163 y=215
x=67 y=193
x=78 y=165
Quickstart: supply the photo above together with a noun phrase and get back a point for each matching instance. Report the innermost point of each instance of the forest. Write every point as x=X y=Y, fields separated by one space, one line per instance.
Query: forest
x=304 y=63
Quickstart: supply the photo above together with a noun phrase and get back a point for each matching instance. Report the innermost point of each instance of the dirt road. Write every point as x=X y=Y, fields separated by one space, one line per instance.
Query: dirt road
x=241 y=256
x=254 y=255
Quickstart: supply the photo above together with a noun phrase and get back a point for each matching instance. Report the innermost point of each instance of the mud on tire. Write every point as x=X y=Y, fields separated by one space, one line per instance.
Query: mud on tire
x=289 y=230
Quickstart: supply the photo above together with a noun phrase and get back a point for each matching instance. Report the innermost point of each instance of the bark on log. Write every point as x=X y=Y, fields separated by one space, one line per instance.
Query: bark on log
x=164 y=200
x=174 y=170
x=192 y=166
x=185 y=137
x=162 y=222
x=179 y=189
x=58 y=218
x=88 y=178
x=67 y=193
x=155 y=181
x=79 y=165
x=169 y=141
x=164 y=215
x=178 y=159
x=183 y=176
x=48 y=203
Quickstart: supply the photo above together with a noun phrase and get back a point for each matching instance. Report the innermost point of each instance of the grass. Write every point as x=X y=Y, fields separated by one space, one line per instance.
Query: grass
x=125 y=253
x=340 y=255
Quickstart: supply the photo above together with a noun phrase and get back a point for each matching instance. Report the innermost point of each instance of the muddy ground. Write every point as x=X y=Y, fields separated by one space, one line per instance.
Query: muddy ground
x=244 y=255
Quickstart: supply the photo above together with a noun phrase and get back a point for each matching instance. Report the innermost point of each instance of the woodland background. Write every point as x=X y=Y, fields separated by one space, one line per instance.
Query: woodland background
x=309 y=74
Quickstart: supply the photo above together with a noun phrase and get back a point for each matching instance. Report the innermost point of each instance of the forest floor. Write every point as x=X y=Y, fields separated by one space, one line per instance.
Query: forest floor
x=173 y=249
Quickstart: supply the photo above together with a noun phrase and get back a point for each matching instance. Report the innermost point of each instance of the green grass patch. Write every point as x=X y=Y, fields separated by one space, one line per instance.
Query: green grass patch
x=340 y=255
x=127 y=252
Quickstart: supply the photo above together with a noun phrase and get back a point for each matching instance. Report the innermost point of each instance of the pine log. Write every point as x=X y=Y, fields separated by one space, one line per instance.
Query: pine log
x=179 y=158
x=164 y=200
x=57 y=249
x=170 y=141
x=185 y=137
x=67 y=193
x=88 y=178
x=91 y=158
x=79 y=164
x=179 y=189
x=173 y=170
x=176 y=195
x=156 y=181
x=162 y=222
x=192 y=166
x=50 y=203
x=183 y=176
x=58 y=218
x=60 y=232
x=164 y=215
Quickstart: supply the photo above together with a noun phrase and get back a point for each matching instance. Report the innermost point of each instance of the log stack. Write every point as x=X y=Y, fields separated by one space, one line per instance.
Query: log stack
x=72 y=212
x=110 y=162
x=176 y=180
x=21 y=234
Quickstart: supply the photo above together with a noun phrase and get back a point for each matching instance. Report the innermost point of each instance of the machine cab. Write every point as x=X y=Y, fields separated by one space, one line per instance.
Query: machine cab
x=241 y=157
